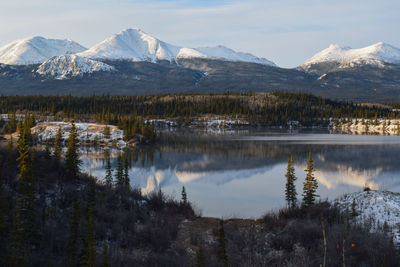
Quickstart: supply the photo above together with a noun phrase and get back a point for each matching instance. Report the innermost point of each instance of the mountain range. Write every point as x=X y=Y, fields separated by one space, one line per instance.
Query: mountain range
x=134 y=62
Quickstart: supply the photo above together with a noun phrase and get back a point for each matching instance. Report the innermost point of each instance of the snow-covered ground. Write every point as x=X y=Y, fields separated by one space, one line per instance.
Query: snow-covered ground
x=386 y=127
x=374 y=209
x=87 y=132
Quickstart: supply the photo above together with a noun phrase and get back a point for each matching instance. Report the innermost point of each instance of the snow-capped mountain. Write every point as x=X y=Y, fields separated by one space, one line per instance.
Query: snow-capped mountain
x=65 y=66
x=136 y=45
x=223 y=52
x=36 y=50
x=346 y=57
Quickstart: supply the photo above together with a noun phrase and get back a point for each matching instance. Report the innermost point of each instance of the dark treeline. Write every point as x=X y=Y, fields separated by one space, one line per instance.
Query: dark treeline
x=273 y=109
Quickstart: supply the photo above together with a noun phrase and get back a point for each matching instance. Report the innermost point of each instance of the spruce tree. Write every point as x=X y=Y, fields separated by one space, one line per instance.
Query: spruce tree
x=72 y=243
x=310 y=184
x=106 y=257
x=107 y=132
x=89 y=251
x=23 y=235
x=290 y=191
x=184 y=196
x=126 y=172
x=222 y=257
x=200 y=257
x=47 y=153
x=10 y=154
x=72 y=160
x=109 y=177
x=120 y=172
x=57 y=144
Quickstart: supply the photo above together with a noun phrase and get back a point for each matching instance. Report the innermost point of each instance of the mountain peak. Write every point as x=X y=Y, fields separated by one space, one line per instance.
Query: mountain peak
x=134 y=44
x=376 y=54
x=36 y=49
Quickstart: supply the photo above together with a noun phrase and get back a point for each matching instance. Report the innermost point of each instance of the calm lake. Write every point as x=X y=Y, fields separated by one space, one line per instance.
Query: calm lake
x=241 y=173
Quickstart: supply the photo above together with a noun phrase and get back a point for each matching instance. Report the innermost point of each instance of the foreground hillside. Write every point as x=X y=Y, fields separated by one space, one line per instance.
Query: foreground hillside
x=376 y=210
x=79 y=220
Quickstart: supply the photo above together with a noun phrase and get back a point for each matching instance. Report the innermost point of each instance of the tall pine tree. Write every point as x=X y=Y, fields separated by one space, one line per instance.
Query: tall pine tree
x=290 y=191
x=222 y=257
x=72 y=243
x=72 y=160
x=310 y=184
x=89 y=250
x=109 y=177
x=126 y=172
x=23 y=234
x=57 y=144
x=119 y=175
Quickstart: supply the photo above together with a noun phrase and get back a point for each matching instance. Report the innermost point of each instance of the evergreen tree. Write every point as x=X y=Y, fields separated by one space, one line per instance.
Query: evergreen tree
x=89 y=251
x=10 y=153
x=23 y=233
x=222 y=257
x=107 y=132
x=290 y=191
x=184 y=196
x=47 y=153
x=119 y=175
x=57 y=144
x=200 y=257
x=72 y=160
x=106 y=257
x=126 y=172
x=3 y=212
x=109 y=177
x=72 y=244
x=310 y=184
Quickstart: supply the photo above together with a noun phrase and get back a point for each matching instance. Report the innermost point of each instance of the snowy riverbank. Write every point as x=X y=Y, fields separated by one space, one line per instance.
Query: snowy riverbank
x=379 y=126
x=88 y=133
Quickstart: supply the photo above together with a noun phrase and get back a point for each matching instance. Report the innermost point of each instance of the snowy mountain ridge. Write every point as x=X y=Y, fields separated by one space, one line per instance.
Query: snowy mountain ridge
x=136 y=45
x=65 y=66
x=376 y=54
x=35 y=50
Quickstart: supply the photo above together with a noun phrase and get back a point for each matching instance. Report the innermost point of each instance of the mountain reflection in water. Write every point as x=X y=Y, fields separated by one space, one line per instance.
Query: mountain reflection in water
x=241 y=174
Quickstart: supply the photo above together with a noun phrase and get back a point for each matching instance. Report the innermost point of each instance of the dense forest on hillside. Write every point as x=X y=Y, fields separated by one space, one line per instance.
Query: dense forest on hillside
x=270 y=109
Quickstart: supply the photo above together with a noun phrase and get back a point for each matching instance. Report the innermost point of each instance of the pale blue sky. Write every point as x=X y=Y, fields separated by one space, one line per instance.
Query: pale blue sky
x=284 y=31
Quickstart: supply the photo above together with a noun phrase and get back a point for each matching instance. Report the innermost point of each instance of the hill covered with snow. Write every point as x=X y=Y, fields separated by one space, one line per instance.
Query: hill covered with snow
x=65 y=66
x=36 y=50
x=377 y=210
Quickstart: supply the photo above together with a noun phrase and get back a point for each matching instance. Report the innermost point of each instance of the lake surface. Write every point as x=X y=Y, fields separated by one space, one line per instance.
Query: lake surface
x=241 y=173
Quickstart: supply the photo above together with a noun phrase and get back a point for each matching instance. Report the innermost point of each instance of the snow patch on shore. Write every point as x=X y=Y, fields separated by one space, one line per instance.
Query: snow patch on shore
x=87 y=132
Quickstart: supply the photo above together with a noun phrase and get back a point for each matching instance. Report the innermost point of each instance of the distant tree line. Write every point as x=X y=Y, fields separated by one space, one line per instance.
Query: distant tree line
x=277 y=108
